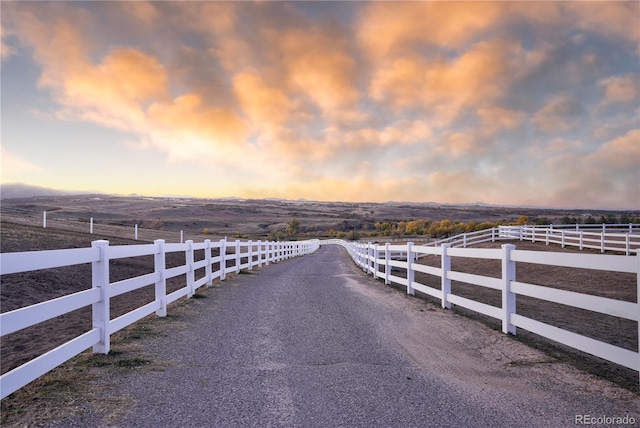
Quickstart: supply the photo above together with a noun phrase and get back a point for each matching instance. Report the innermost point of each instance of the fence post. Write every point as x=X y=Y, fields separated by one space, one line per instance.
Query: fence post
x=237 y=255
x=410 y=272
x=259 y=253
x=387 y=268
x=44 y=219
x=376 y=264
x=628 y=245
x=267 y=253
x=91 y=226
x=160 y=266
x=100 y=310
x=602 y=240
x=363 y=259
x=135 y=232
x=250 y=250
x=207 y=267
x=190 y=273
x=445 y=282
x=547 y=230
x=581 y=240
x=223 y=259
x=508 y=297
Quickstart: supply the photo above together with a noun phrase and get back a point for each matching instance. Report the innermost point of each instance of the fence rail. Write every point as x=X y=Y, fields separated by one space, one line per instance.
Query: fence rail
x=605 y=237
x=232 y=257
x=382 y=261
x=104 y=229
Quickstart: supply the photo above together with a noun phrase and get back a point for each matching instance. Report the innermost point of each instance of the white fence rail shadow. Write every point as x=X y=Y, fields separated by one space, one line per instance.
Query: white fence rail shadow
x=382 y=261
x=232 y=257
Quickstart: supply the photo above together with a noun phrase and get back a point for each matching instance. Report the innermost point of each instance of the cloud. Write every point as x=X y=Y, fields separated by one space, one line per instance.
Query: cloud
x=188 y=129
x=319 y=67
x=13 y=165
x=616 y=19
x=114 y=92
x=607 y=177
x=395 y=29
x=496 y=119
x=262 y=103
x=497 y=96
x=620 y=89
x=144 y=12
x=558 y=115
x=6 y=50
x=446 y=87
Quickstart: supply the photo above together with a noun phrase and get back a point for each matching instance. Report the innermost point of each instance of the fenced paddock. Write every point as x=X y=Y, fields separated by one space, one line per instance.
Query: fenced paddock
x=203 y=263
x=497 y=293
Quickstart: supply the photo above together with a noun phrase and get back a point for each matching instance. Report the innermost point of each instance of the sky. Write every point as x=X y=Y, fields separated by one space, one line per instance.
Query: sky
x=511 y=103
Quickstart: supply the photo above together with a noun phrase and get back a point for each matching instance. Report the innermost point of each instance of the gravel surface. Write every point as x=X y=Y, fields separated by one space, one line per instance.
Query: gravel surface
x=313 y=342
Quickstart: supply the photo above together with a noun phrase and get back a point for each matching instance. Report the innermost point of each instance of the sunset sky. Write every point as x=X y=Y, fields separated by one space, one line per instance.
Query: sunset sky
x=509 y=103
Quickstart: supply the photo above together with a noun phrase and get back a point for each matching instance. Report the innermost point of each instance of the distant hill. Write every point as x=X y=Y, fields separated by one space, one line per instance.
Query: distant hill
x=21 y=190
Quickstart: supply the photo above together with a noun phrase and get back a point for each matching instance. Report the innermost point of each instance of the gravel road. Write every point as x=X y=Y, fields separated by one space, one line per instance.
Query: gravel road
x=313 y=342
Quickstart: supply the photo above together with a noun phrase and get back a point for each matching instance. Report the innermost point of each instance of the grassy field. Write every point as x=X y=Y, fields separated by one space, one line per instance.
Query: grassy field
x=164 y=218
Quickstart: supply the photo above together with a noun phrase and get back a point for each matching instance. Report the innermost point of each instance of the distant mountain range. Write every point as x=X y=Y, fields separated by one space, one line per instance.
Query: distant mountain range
x=21 y=190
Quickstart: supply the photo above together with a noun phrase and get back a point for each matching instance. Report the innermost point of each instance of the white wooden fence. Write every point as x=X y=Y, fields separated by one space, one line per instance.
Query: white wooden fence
x=233 y=257
x=605 y=237
x=382 y=260
x=623 y=238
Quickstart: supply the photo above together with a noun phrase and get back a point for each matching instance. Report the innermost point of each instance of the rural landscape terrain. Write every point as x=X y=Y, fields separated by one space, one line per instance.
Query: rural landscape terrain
x=114 y=217
x=275 y=219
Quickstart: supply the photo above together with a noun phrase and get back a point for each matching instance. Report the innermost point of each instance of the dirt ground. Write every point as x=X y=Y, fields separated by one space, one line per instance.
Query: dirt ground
x=19 y=290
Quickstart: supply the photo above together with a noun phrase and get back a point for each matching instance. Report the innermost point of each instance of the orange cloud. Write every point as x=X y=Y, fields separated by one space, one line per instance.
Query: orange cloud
x=319 y=66
x=144 y=12
x=611 y=179
x=621 y=89
x=445 y=87
x=396 y=28
x=558 y=115
x=113 y=93
x=616 y=19
x=263 y=104
x=188 y=129
x=495 y=119
x=619 y=154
